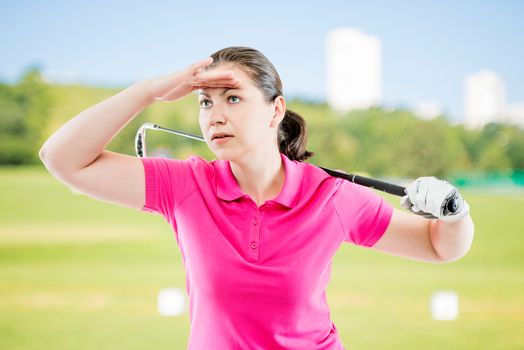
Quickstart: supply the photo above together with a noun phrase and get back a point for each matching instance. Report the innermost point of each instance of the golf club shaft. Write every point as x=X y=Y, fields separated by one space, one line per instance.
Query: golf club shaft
x=396 y=190
x=361 y=180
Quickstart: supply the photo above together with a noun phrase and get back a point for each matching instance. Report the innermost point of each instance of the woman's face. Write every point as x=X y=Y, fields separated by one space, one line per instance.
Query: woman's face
x=241 y=112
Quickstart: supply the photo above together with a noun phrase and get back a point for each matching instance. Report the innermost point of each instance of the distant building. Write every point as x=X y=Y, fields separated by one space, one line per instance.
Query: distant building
x=484 y=99
x=353 y=69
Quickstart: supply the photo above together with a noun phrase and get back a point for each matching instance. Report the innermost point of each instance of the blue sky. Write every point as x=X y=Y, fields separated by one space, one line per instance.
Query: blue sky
x=428 y=46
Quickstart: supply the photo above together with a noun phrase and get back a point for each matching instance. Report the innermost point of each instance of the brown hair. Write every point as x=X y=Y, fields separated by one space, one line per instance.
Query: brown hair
x=292 y=130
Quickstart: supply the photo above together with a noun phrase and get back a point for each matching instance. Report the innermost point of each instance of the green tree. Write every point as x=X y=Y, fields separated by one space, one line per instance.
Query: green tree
x=515 y=148
x=24 y=109
x=492 y=146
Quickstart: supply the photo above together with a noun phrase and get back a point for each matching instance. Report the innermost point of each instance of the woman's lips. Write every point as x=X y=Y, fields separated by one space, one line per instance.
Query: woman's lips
x=221 y=140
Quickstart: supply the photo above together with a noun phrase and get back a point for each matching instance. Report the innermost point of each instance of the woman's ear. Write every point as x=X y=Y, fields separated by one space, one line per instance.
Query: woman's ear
x=279 y=111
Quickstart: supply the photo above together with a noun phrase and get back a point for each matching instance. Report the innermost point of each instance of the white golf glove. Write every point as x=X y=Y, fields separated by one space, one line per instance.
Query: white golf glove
x=428 y=196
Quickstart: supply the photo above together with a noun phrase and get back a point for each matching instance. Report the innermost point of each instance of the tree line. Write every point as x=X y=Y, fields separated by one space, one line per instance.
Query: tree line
x=376 y=141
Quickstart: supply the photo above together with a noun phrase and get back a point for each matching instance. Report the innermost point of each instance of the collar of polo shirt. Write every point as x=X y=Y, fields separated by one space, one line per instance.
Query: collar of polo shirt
x=229 y=190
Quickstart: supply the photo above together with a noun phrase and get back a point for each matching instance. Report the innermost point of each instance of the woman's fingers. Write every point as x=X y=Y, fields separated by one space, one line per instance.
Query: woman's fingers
x=211 y=78
x=215 y=78
x=216 y=83
x=175 y=85
x=201 y=64
x=213 y=75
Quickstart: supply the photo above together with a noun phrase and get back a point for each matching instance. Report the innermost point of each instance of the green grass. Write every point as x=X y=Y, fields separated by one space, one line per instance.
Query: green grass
x=80 y=273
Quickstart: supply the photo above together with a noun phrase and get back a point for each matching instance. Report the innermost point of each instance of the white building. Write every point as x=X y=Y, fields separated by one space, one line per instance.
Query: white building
x=353 y=69
x=484 y=99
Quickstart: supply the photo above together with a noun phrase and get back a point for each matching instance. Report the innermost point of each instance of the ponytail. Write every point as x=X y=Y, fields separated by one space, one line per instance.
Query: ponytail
x=292 y=137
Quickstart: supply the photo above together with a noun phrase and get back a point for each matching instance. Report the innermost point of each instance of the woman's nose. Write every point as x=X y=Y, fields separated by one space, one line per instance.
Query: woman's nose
x=217 y=117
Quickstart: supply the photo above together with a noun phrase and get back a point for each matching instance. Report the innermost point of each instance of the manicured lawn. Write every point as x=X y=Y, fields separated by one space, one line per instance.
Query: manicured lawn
x=83 y=274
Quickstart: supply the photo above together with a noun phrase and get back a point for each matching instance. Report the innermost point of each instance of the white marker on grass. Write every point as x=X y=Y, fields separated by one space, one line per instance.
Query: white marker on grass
x=171 y=302
x=444 y=305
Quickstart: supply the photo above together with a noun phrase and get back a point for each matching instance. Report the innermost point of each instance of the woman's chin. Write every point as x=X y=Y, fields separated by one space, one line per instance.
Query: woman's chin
x=223 y=154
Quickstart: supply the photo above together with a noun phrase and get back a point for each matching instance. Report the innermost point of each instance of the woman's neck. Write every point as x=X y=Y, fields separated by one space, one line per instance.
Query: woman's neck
x=261 y=177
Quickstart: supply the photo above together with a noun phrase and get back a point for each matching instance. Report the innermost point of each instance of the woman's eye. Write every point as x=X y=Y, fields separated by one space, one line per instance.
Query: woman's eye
x=202 y=102
x=234 y=99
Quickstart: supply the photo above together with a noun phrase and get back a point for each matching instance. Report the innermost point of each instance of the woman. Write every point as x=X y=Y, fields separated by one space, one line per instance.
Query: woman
x=257 y=227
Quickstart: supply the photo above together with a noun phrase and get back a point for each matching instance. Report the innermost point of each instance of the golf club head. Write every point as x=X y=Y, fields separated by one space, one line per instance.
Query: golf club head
x=140 y=138
x=148 y=125
x=140 y=146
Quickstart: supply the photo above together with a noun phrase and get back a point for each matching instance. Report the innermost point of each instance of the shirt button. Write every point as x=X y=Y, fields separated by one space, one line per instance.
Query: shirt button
x=255 y=221
x=253 y=245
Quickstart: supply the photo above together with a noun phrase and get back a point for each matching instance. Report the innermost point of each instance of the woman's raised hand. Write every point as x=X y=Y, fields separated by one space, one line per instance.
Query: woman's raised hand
x=173 y=86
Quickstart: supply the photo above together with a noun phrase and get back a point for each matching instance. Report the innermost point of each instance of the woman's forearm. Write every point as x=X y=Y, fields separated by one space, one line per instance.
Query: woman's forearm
x=451 y=240
x=83 y=138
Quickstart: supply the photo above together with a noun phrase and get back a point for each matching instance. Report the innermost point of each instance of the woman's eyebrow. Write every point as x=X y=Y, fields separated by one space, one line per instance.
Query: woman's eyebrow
x=221 y=94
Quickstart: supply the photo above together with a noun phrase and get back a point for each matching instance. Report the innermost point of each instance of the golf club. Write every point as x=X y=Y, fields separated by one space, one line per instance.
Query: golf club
x=451 y=205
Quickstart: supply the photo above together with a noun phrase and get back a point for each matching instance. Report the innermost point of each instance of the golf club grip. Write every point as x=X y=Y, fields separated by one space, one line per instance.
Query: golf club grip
x=451 y=204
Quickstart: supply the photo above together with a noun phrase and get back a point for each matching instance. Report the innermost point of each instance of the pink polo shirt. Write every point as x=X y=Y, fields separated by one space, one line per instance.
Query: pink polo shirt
x=256 y=276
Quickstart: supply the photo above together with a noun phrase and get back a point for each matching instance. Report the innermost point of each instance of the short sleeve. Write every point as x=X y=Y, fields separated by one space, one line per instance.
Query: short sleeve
x=167 y=182
x=364 y=214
